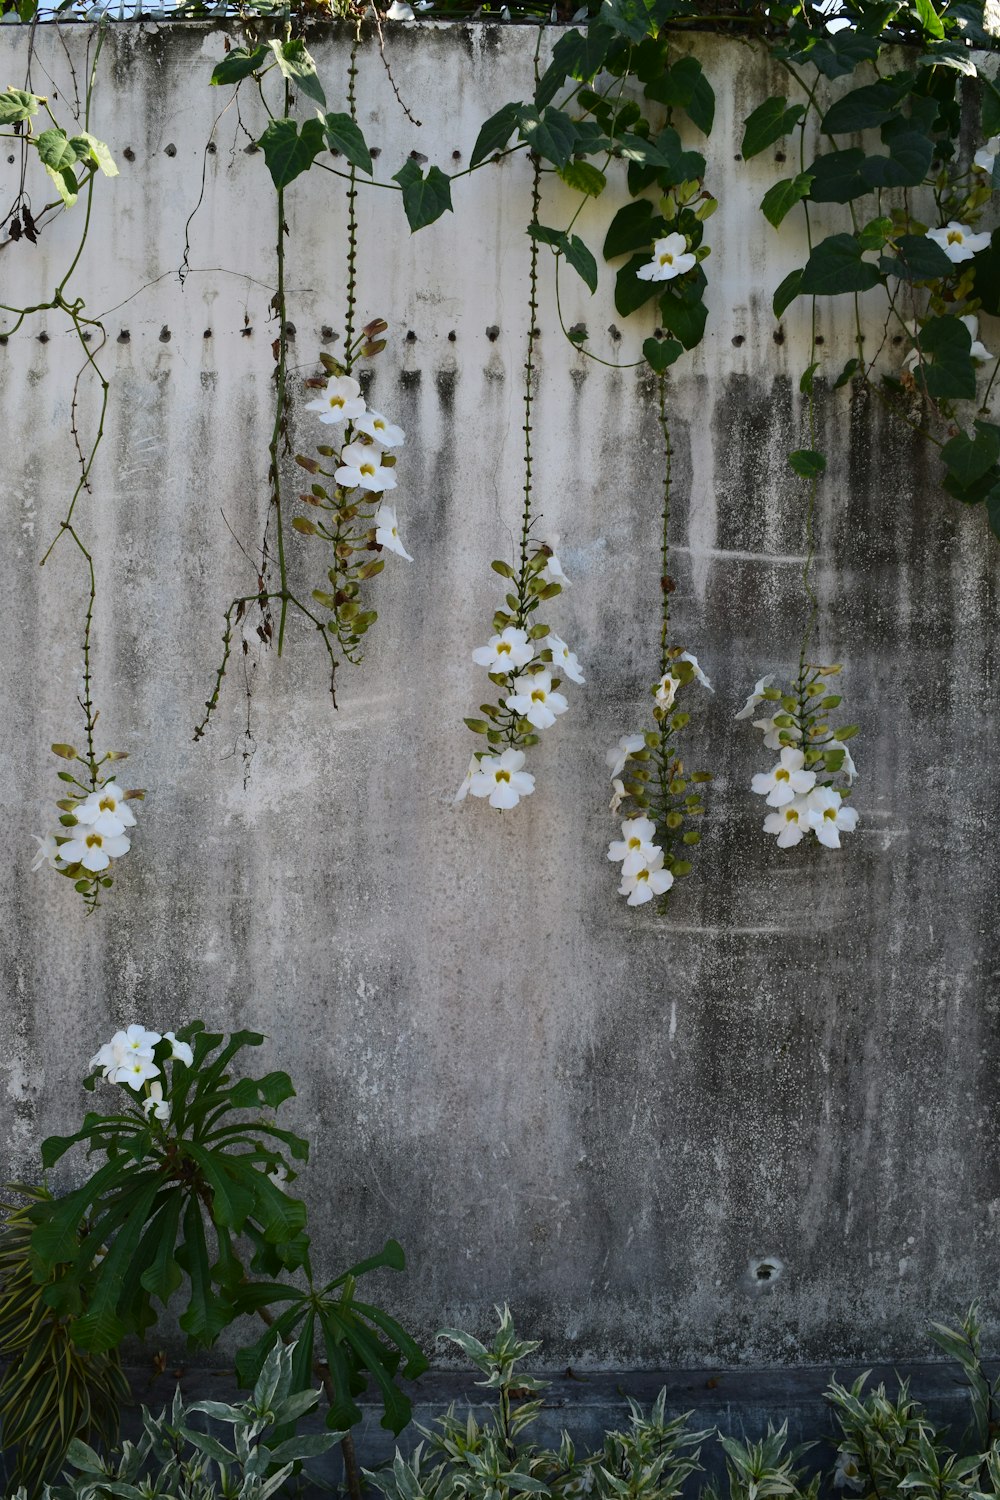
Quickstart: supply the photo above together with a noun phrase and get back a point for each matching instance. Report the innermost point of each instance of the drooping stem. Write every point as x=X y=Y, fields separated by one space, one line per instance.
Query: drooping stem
x=352 y=213
x=529 y=376
x=812 y=612
x=668 y=454
x=280 y=416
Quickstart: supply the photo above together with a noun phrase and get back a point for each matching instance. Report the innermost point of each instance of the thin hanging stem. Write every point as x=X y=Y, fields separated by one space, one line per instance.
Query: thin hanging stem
x=352 y=212
x=668 y=454
x=529 y=369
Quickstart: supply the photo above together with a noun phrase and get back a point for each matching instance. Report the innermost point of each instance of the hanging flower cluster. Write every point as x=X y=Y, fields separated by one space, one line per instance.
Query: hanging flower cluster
x=801 y=787
x=137 y=1058
x=660 y=797
x=527 y=662
x=92 y=829
x=358 y=523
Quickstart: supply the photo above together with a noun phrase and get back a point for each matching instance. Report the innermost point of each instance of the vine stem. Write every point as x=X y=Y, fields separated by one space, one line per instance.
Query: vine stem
x=529 y=367
x=352 y=194
x=668 y=454
x=280 y=380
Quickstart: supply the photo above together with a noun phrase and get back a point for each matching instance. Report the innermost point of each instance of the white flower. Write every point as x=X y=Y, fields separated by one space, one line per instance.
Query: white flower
x=500 y=778
x=647 y=881
x=466 y=786
x=155 y=1104
x=790 y=823
x=48 y=851
x=618 y=795
x=848 y=1473
x=361 y=468
x=93 y=850
x=755 y=697
x=828 y=818
x=399 y=11
x=958 y=241
x=106 y=810
x=553 y=571
x=110 y=1057
x=124 y=1048
x=848 y=767
x=342 y=401
x=375 y=426
x=635 y=848
x=386 y=533
x=135 y=1071
x=686 y=656
x=534 y=700
x=136 y=1041
x=563 y=659
x=666 y=690
x=784 y=781
x=619 y=754
x=507 y=652
x=773 y=733
x=987 y=155
x=181 y=1052
x=671 y=258
x=978 y=351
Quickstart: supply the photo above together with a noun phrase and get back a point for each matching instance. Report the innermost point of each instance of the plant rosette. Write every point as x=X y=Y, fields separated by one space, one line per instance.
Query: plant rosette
x=660 y=798
x=808 y=786
x=93 y=827
x=528 y=663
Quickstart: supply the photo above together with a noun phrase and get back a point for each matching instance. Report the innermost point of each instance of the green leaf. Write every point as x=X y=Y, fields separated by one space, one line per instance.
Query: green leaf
x=993 y=510
x=929 y=18
x=287 y=152
x=495 y=133
x=836 y=177
x=684 y=318
x=231 y=1203
x=768 y=123
x=846 y=373
x=909 y=160
x=836 y=266
x=55 y=150
x=238 y=64
x=582 y=261
x=584 y=177
x=874 y=234
x=632 y=228
x=806 y=379
x=206 y=1314
x=807 y=463
x=630 y=292
x=17 y=105
x=683 y=85
x=299 y=68
x=162 y=1276
x=552 y=134
x=783 y=196
x=918 y=259
x=989 y=100
x=660 y=354
x=969 y=458
x=425 y=199
x=343 y=135
x=100 y=154
x=863 y=108
x=951 y=375
x=787 y=292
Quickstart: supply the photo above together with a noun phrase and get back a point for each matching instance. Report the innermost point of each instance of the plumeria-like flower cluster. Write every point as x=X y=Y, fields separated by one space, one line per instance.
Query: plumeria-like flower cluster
x=648 y=774
x=93 y=828
x=527 y=662
x=357 y=522
x=137 y=1058
x=801 y=787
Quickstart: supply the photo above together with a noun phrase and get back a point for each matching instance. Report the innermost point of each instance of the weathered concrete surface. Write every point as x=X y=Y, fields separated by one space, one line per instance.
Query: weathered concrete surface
x=602 y=1116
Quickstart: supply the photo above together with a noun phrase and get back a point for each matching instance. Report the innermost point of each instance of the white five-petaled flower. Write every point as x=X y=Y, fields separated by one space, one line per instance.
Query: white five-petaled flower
x=790 y=822
x=563 y=659
x=466 y=786
x=649 y=880
x=619 y=754
x=375 y=426
x=154 y=1104
x=987 y=155
x=958 y=241
x=665 y=690
x=122 y=1051
x=400 y=11
x=618 y=795
x=848 y=1473
x=93 y=850
x=755 y=697
x=671 y=258
x=507 y=652
x=535 y=701
x=361 y=467
x=686 y=656
x=135 y=1071
x=786 y=780
x=635 y=848
x=500 y=778
x=341 y=401
x=829 y=818
x=386 y=532
x=106 y=810
x=181 y=1052
x=48 y=851
x=553 y=571
x=772 y=733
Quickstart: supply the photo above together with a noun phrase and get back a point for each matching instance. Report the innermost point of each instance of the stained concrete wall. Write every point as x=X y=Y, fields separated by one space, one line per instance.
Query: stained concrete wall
x=599 y=1114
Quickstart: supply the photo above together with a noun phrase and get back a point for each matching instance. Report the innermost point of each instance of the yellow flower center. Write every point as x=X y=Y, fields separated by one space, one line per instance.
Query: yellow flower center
x=94 y=840
x=108 y=804
x=368 y=468
x=336 y=401
x=667 y=258
x=791 y=816
x=642 y=875
x=955 y=236
x=379 y=425
x=503 y=648
x=503 y=776
x=781 y=775
x=635 y=842
x=538 y=696
x=831 y=813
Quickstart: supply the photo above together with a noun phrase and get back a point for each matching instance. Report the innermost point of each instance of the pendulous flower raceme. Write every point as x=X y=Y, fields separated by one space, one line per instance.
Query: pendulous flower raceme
x=94 y=823
x=648 y=774
x=801 y=787
x=527 y=663
x=353 y=476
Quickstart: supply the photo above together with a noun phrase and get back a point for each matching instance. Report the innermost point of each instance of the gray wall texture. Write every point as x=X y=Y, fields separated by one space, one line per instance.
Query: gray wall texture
x=603 y=1116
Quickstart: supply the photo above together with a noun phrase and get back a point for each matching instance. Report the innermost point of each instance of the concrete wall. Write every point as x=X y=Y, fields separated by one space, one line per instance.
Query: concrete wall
x=601 y=1115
